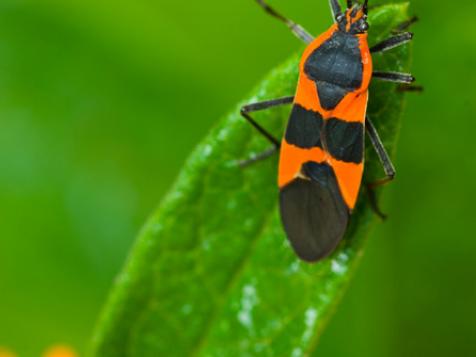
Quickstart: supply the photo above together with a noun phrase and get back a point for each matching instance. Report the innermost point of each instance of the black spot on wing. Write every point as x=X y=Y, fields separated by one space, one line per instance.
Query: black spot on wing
x=304 y=128
x=345 y=140
x=330 y=94
x=313 y=212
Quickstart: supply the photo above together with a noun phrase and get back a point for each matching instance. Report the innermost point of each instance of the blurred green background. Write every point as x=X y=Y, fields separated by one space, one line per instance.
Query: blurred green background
x=100 y=103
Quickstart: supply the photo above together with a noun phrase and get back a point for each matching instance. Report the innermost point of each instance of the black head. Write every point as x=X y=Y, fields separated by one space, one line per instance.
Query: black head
x=354 y=20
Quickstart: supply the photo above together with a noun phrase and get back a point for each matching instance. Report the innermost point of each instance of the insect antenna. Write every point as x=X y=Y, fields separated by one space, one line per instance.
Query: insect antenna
x=335 y=8
x=366 y=7
x=273 y=12
x=297 y=29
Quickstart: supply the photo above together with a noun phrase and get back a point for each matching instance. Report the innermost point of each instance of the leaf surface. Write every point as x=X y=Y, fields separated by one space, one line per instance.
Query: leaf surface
x=212 y=273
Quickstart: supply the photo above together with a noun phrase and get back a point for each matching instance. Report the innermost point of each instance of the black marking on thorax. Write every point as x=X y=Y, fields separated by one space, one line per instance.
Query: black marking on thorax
x=336 y=67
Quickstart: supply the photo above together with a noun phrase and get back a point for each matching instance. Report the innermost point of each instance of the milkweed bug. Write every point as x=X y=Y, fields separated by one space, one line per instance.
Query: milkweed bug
x=322 y=153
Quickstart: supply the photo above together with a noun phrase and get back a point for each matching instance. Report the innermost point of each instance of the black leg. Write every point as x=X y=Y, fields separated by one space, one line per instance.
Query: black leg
x=254 y=107
x=410 y=88
x=297 y=29
x=395 y=77
x=374 y=203
x=405 y=25
x=397 y=40
x=258 y=157
x=392 y=42
x=387 y=164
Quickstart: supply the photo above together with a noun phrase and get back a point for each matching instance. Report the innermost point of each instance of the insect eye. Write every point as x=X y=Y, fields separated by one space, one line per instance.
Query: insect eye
x=340 y=17
x=364 y=26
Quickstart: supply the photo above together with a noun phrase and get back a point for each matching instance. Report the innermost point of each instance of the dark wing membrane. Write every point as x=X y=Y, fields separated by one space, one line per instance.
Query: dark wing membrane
x=313 y=212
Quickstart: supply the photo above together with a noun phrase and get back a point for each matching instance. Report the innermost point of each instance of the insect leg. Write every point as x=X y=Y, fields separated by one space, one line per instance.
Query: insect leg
x=398 y=39
x=258 y=157
x=254 y=107
x=406 y=24
x=395 y=77
x=386 y=163
x=374 y=203
x=382 y=154
x=392 y=42
x=297 y=29
x=409 y=88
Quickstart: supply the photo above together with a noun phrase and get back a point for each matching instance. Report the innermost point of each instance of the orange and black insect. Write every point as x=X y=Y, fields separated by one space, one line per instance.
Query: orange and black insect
x=322 y=152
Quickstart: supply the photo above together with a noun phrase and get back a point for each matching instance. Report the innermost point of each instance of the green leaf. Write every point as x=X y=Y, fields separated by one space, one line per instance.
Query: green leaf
x=212 y=273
